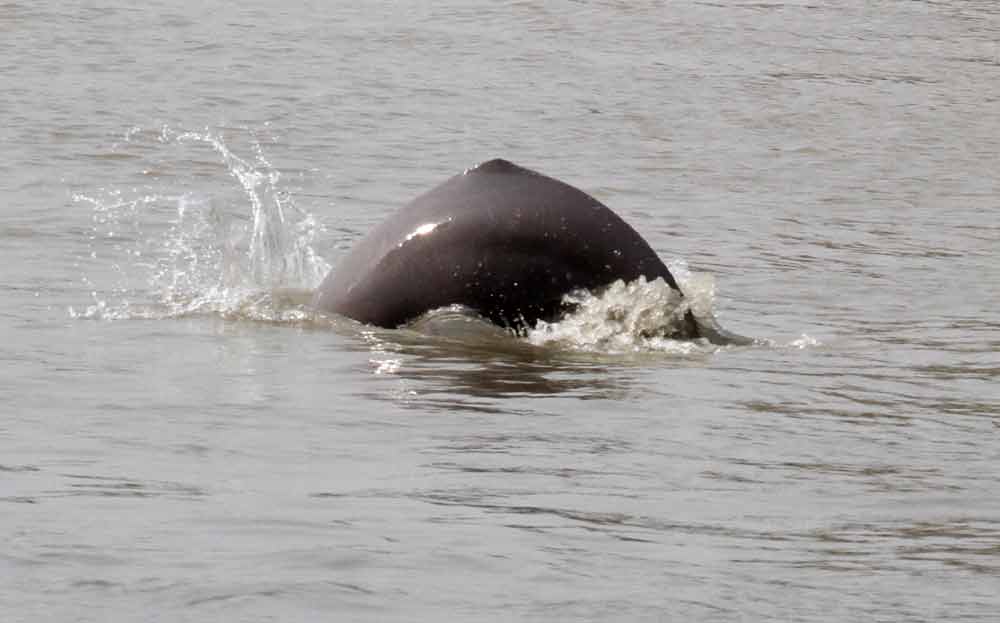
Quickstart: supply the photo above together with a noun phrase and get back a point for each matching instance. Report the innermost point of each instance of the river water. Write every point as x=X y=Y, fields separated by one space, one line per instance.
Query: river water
x=182 y=439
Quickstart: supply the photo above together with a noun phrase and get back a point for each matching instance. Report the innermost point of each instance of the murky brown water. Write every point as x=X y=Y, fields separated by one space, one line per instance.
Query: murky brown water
x=189 y=444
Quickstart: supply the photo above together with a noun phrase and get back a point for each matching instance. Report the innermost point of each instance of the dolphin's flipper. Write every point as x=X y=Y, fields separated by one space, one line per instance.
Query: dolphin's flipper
x=708 y=327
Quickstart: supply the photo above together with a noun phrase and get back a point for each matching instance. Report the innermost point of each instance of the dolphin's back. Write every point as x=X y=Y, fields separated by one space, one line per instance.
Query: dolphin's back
x=500 y=239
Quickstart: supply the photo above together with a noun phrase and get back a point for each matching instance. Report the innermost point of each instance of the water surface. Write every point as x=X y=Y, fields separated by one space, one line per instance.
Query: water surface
x=182 y=440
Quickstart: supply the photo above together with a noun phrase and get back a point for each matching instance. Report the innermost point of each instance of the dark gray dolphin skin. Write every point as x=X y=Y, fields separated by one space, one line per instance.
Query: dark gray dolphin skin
x=502 y=240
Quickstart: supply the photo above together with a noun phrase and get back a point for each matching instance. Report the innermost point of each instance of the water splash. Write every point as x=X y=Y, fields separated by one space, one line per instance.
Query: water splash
x=805 y=341
x=168 y=254
x=279 y=250
x=638 y=316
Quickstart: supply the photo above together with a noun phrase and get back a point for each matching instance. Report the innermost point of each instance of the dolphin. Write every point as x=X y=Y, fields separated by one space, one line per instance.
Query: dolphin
x=502 y=240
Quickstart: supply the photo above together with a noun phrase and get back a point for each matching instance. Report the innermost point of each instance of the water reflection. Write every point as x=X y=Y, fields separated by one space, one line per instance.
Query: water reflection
x=479 y=372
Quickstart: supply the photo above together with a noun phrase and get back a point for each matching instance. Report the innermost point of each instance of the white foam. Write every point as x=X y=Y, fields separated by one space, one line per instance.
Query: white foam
x=626 y=317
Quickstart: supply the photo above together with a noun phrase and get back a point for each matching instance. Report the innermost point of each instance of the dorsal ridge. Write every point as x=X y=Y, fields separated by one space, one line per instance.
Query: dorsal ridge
x=498 y=165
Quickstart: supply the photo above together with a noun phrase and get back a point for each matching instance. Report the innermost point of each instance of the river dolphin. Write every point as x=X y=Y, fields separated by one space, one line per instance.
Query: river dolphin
x=500 y=239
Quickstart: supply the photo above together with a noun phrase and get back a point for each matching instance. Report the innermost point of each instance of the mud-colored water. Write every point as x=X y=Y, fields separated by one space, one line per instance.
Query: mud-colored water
x=181 y=438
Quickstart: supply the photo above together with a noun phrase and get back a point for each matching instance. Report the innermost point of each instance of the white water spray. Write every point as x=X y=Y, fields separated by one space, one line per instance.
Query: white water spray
x=257 y=263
